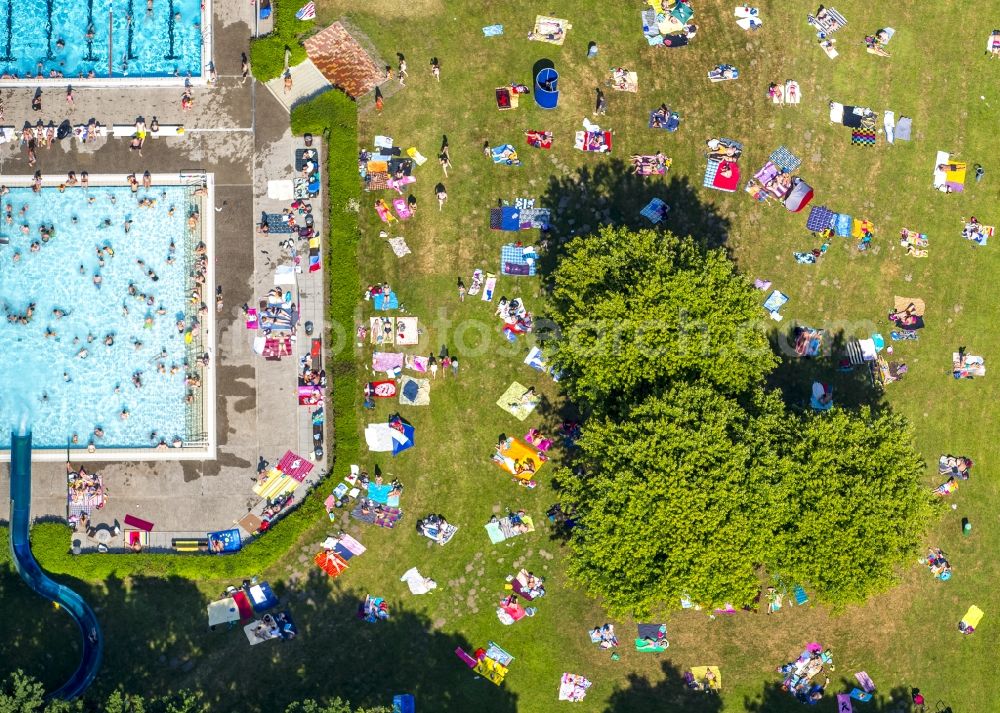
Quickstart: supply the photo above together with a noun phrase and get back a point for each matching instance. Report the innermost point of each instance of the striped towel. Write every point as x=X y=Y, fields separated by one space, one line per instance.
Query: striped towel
x=307 y=12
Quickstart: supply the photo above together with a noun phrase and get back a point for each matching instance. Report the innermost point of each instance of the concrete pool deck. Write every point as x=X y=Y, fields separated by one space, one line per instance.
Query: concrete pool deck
x=241 y=135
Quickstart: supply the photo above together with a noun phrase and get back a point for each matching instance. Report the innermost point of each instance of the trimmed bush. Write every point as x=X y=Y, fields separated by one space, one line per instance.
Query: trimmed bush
x=267 y=54
x=333 y=116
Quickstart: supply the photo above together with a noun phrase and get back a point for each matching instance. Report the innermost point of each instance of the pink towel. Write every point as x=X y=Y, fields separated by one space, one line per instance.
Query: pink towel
x=402 y=210
x=252 y=318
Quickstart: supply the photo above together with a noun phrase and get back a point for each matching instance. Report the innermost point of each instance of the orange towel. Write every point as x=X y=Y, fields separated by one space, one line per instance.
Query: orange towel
x=331 y=563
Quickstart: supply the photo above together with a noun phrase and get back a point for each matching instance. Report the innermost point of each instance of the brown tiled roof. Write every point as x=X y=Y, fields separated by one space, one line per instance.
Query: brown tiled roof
x=343 y=61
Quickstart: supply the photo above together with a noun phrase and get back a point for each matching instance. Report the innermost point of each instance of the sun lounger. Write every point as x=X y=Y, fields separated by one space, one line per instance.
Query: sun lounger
x=124 y=131
x=168 y=130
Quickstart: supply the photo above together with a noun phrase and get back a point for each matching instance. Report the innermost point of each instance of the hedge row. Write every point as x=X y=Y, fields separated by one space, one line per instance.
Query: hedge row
x=267 y=53
x=333 y=116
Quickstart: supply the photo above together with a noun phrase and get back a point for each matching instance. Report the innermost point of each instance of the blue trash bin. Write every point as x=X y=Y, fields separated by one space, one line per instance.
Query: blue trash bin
x=547 y=88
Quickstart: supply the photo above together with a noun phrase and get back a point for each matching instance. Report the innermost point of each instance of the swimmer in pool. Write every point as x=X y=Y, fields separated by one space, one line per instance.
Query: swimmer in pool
x=123 y=415
x=50 y=333
x=66 y=377
x=98 y=432
x=137 y=379
x=82 y=354
x=128 y=226
x=109 y=340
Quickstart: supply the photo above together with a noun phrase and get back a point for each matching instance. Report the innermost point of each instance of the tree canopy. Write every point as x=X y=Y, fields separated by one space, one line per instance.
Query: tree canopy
x=640 y=309
x=692 y=478
x=21 y=693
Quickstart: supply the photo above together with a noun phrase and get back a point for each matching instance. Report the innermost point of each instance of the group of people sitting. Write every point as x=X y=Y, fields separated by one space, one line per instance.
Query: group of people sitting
x=801 y=675
x=646 y=165
x=956 y=466
x=937 y=562
x=604 y=636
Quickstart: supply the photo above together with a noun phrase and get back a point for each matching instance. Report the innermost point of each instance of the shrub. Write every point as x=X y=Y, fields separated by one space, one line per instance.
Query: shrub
x=267 y=54
x=333 y=116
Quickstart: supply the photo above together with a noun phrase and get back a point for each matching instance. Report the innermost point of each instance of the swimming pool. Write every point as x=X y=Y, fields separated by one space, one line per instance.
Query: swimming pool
x=71 y=362
x=76 y=37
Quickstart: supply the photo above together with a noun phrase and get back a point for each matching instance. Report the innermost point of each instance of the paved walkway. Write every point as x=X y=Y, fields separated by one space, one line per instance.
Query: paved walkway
x=238 y=133
x=307 y=82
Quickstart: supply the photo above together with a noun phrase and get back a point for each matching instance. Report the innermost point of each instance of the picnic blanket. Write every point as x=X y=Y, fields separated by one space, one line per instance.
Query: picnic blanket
x=671 y=123
x=549 y=29
x=539 y=139
x=863 y=137
x=277 y=223
x=949 y=176
x=382 y=515
x=785 y=159
x=503 y=529
x=820 y=218
x=651 y=638
x=968 y=365
x=624 y=80
x=518 y=260
x=903 y=128
x=774 y=302
x=827 y=21
x=655 y=211
x=714 y=177
x=387 y=361
x=432 y=531
x=512 y=218
x=978 y=233
x=493 y=30
x=414 y=392
x=650 y=165
x=505 y=154
x=572 y=686
x=518 y=401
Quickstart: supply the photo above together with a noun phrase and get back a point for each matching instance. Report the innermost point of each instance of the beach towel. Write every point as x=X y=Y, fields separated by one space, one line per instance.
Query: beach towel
x=889 y=124
x=493 y=30
x=518 y=401
x=594 y=140
x=863 y=137
x=723 y=73
x=978 y=233
x=381 y=331
x=699 y=678
x=655 y=211
x=539 y=139
x=648 y=165
x=903 y=128
x=402 y=210
x=399 y=246
x=503 y=529
x=971 y=619
x=506 y=99
x=477 y=282
x=651 y=638
x=273 y=484
x=382 y=208
x=750 y=23
x=432 y=531
x=842 y=225
x=518 y=459
x=488 y=287
x=573 y=687
x=829 y=22
x=416 y=582
x=331 y=563
x=793 y=94
x=407 y=332
x=549 y=29
x=505 y=154
x=844 y=703
x=277 y=223
x=414 y=392
x=417 y=363
x=624 y=80
x=383 y=302
x=774 y=302
x=993 y=44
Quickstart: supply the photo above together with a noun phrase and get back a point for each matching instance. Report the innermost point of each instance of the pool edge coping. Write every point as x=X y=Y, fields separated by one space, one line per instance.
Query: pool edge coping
x=192 y=453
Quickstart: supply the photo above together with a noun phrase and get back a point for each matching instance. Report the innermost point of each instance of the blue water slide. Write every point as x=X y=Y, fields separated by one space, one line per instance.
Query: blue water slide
x=68 y=600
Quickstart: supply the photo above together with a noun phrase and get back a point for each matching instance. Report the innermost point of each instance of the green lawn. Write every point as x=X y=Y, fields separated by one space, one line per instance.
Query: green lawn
x=906 y=637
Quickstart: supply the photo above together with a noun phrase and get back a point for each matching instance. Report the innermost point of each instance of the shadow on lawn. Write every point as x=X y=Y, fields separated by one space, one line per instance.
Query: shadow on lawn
x=668 y=694
x=610 y=194
x=157 y=641
x=795 y=374
x=774 y=699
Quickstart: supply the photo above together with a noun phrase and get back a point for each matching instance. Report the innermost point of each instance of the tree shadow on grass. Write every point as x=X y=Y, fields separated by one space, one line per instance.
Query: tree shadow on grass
x=852 y=387
x=774 y=699
x=608 y=193
x=670 y=693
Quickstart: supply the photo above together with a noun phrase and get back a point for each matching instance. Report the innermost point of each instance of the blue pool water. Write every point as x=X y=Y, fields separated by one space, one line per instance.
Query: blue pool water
x=160 y=43
x=99 y=386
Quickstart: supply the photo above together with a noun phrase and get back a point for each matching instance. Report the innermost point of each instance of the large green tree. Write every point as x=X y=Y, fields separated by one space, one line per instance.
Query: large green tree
x=850 y=505
x=675 y=499
x=692 y=478
x=640 y=309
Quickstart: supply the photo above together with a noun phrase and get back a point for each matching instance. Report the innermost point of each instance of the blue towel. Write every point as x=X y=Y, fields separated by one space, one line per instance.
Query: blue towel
x=382 y=302
x=775 y=301
x=379 y=493
x=513 y=262
x=493 y=30
x=842 y=225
